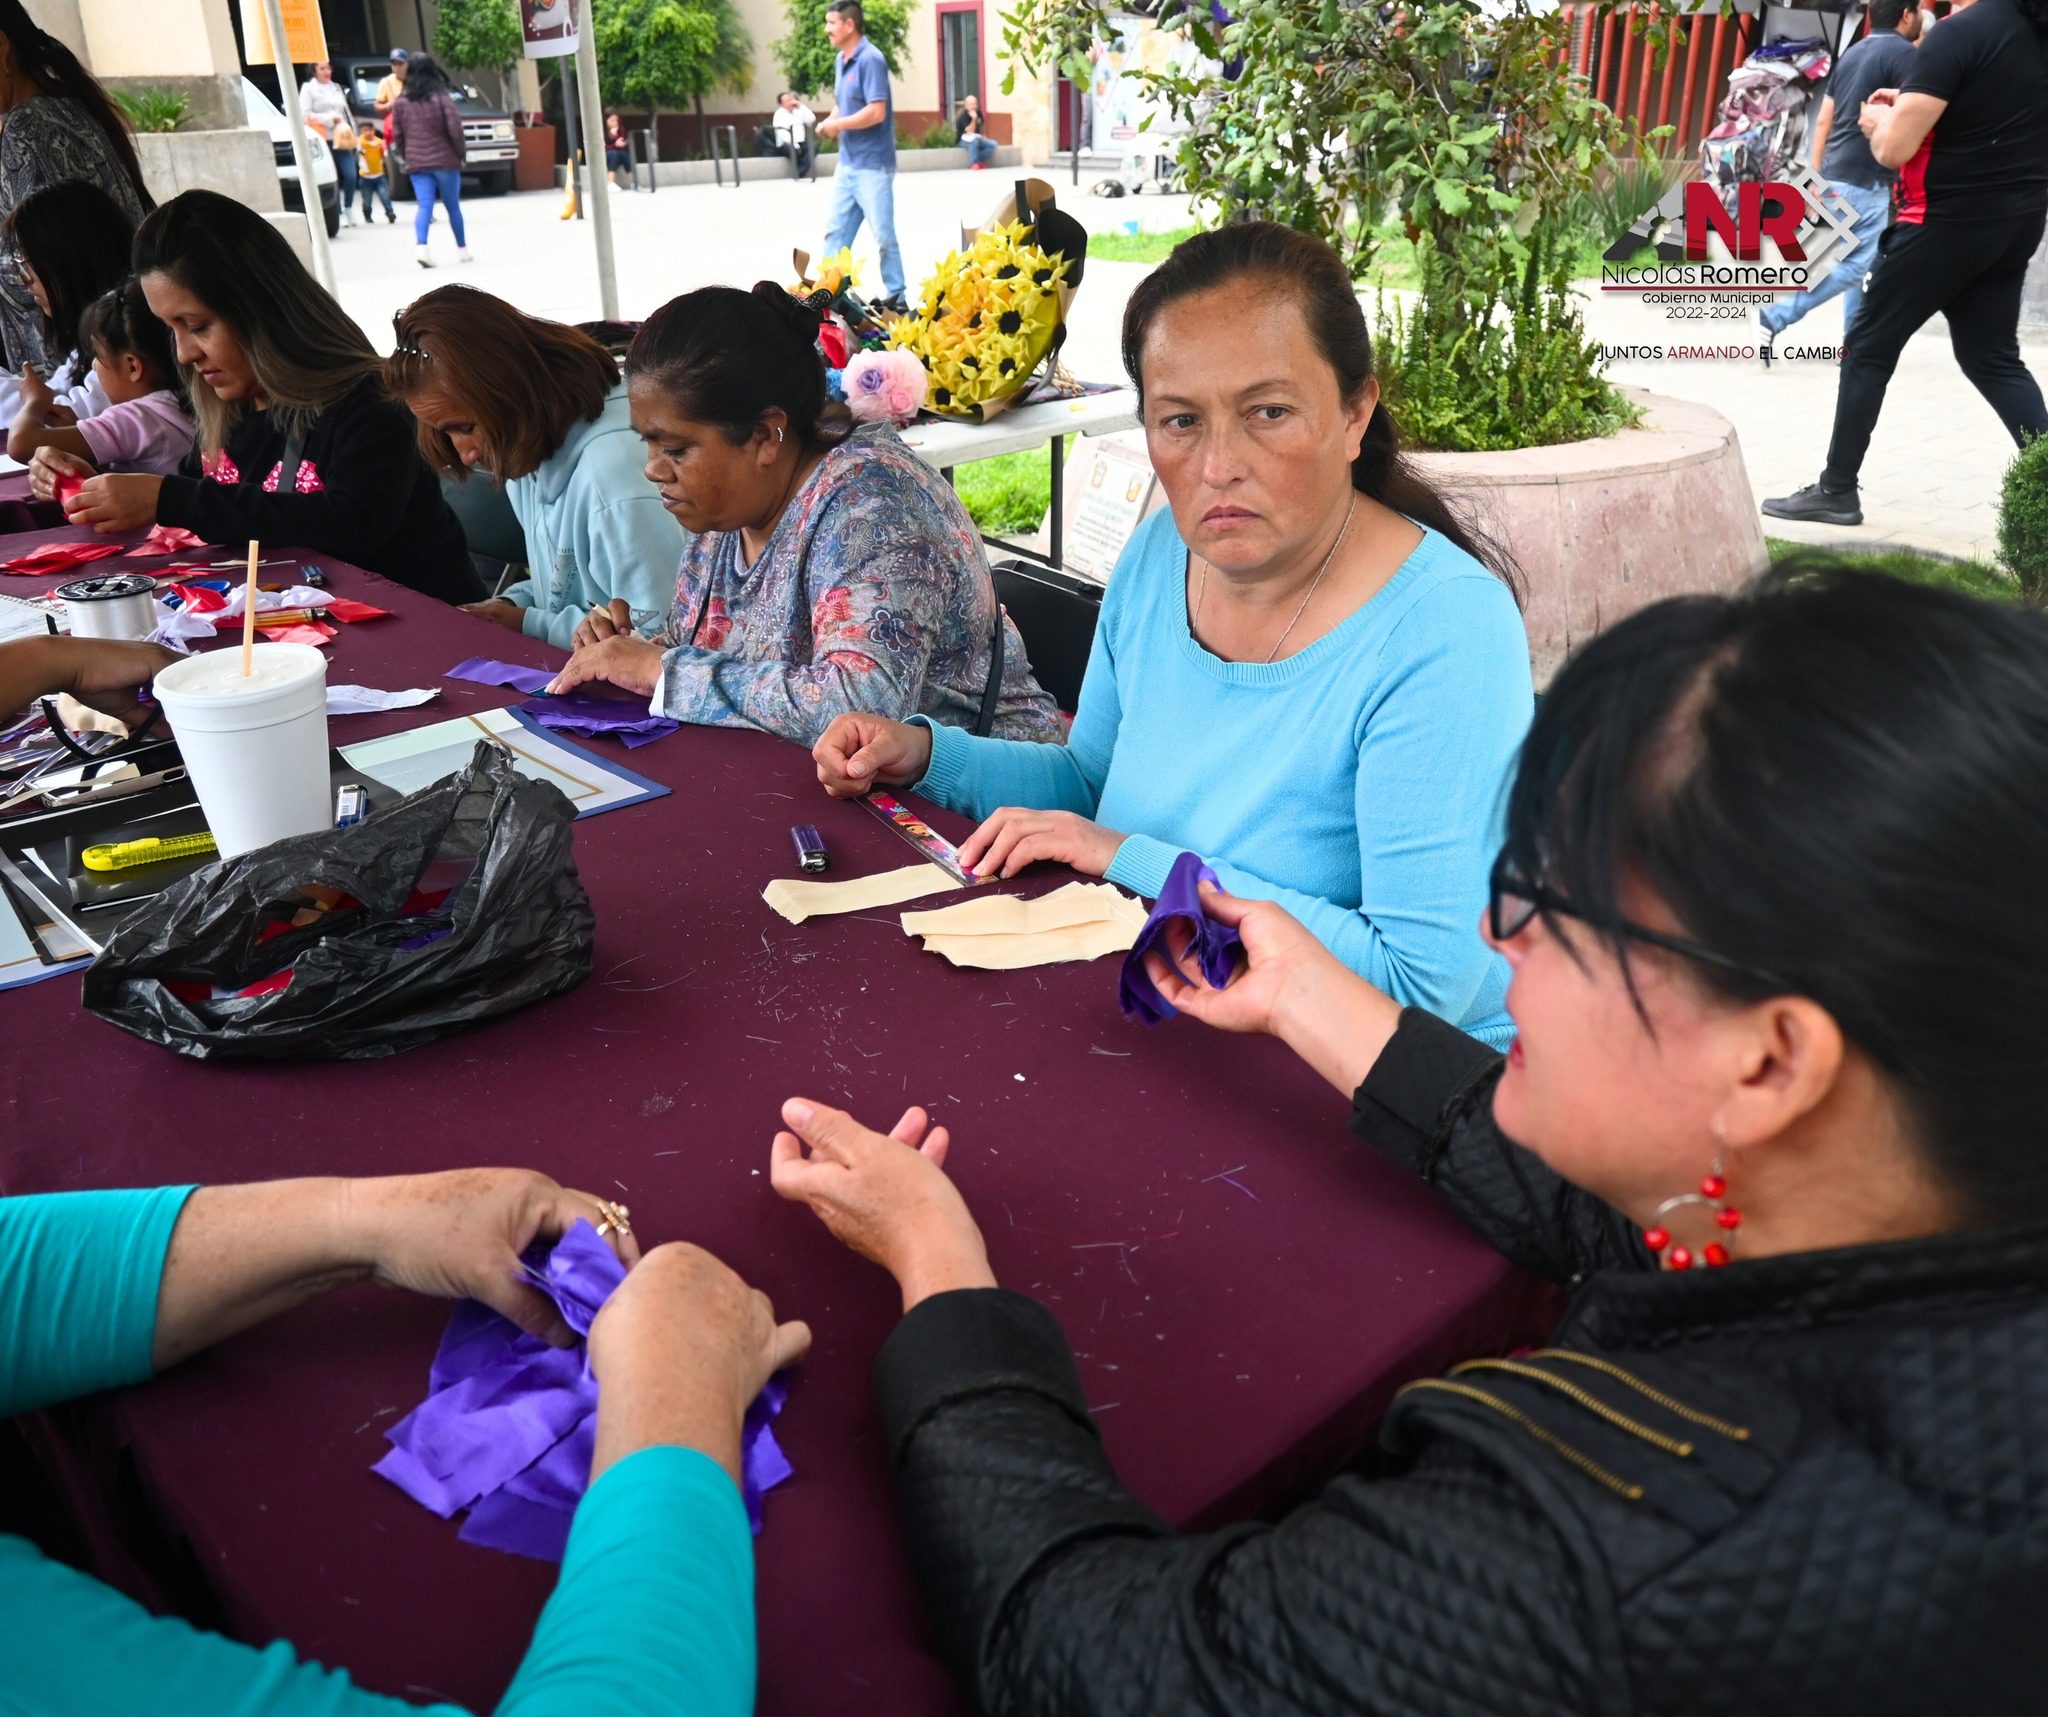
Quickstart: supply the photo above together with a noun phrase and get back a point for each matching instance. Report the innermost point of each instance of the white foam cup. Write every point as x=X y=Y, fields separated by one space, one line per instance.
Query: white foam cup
x=255 y=745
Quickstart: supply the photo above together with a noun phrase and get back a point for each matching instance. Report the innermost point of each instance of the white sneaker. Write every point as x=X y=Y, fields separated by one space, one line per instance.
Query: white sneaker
x=348 y=217
x=464 y=256
x=426 y=257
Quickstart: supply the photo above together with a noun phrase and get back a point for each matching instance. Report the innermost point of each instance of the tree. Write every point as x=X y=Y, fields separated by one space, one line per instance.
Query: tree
x=480 y=35
x=670 y=53
x=806 y=58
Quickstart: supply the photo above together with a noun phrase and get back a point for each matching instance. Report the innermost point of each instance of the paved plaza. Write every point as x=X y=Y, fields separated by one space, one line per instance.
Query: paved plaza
x=1931 y=480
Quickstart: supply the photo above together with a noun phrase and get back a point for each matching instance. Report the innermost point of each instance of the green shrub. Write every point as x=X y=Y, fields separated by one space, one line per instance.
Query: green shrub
x=2023 y=519
x=939 y=135
x=153 y=109
x=1522 y=374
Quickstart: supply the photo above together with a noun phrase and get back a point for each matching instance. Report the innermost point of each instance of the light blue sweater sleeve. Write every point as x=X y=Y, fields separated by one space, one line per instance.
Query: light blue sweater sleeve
x=78 y=1291
x=626 y=548
x=1436 y=748
x=975 y=775
x=653 y=1611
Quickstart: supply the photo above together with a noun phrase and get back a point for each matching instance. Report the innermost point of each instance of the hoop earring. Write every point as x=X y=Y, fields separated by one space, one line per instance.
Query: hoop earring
x=1713 y=1187
x=778 y=434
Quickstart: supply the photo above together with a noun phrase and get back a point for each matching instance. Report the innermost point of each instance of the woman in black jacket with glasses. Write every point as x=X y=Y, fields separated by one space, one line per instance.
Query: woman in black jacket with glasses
x=1777 y=1113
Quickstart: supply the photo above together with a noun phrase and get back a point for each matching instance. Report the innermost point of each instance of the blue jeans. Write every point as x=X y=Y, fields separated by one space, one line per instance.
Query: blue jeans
x=980 y=150
x=375 y=185
x=445 y=183
x=868 y=192
x=1873 y=210
x=345 y=176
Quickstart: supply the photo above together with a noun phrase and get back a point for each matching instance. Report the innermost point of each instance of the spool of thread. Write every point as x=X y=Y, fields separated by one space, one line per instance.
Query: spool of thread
x=115 y=605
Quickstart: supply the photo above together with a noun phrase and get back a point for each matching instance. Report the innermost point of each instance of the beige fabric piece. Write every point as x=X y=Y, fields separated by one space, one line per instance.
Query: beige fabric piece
x=1042 y=948
x=1006 y=933
x=1011 y=915
x=798 y=901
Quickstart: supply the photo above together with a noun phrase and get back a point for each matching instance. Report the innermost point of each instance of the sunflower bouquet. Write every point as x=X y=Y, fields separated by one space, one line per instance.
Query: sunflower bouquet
x=987 y=318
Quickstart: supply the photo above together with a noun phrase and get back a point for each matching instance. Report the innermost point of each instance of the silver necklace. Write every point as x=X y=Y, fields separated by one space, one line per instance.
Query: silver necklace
x=1308 y=596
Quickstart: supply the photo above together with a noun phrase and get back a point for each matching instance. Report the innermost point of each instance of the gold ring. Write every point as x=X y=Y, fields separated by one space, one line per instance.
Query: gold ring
x=615 y=1216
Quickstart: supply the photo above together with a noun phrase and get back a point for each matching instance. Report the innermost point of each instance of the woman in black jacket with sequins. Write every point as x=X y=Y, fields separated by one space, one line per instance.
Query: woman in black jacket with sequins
x=298 y=445
x=1772 y=892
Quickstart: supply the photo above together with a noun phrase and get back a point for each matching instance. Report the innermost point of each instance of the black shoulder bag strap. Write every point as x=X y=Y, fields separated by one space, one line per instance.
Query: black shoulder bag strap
x=992 y=693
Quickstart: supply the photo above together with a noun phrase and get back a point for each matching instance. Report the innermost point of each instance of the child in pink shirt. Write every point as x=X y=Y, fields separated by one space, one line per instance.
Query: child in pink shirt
x=144 y=426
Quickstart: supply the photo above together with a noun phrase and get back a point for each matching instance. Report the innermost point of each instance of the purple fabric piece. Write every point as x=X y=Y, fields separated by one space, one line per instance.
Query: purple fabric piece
x=575 y=713
x=486 y=672
x=509 y=1424
x=1214 y=947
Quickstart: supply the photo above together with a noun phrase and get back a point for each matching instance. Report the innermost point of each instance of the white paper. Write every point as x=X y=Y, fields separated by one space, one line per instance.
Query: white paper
x=367 y=700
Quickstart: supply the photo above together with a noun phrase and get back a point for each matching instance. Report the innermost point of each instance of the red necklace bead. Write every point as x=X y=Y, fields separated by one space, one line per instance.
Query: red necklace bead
x=1713 y=1186
x=1729 y=1218
x=1656 y=1238
x=1681 y=1259
x=1715 y=1254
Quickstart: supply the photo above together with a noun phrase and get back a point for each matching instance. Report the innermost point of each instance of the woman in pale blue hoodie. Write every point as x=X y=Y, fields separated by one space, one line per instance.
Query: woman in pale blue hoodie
x=540 y=407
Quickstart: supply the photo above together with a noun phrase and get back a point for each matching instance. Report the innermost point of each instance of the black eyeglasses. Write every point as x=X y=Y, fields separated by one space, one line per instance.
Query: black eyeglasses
x=1512 y=901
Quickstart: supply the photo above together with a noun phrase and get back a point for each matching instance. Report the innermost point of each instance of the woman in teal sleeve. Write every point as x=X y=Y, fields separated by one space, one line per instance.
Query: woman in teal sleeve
x=654 y=1608
x=1310 y=670
x=539 y=408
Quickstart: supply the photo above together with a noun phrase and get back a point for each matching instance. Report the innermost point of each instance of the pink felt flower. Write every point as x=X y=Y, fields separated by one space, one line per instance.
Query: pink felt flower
x=884 y=387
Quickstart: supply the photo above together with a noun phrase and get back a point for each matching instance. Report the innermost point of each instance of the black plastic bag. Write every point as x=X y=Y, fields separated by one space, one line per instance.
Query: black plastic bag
x=380 y=971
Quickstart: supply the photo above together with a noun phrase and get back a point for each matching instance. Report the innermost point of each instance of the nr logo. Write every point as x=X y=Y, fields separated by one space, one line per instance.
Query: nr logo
x=1771 y=210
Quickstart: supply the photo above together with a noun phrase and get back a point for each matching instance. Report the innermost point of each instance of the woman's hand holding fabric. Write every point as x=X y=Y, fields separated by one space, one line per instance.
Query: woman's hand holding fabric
x=459 y=1235
x=886 y=1195
x=51 y=464
x=680 y=1351
x=116 y=502
x=1290 y=987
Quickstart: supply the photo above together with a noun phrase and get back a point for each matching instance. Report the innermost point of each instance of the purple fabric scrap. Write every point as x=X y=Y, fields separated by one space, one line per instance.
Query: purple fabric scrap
x=509 y=1424
x=1214 y=947
x=485 y=672
x=574 y=713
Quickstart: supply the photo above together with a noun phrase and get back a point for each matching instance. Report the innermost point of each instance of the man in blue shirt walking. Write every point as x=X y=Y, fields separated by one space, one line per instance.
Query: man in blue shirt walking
x=864 y=121
x=1841 y=155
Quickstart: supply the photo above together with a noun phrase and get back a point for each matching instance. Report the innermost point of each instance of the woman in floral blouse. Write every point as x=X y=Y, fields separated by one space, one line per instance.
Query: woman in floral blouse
x=829 y=569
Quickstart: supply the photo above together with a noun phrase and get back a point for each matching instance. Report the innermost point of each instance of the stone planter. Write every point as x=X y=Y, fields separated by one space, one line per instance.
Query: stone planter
x=239 y=163
x=1604 y=527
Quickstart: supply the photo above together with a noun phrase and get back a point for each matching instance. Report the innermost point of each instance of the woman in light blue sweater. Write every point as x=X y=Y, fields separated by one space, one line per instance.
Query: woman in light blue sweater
x=1306 y=671
x=540 y=407
x=654 y=1606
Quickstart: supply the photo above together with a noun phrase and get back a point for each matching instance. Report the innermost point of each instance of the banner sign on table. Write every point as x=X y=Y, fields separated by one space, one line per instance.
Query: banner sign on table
x=1109 y=491
x=550 y=27
x=305 y=38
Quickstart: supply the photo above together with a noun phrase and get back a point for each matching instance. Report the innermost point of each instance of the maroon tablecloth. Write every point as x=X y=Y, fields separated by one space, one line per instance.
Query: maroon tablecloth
x=1243 y=1284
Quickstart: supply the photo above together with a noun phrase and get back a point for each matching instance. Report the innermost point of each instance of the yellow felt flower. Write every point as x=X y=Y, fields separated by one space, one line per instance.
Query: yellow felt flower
x=985 y=319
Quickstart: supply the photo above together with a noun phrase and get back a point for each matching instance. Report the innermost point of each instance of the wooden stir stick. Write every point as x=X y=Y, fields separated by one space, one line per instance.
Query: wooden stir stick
x=249 y=611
